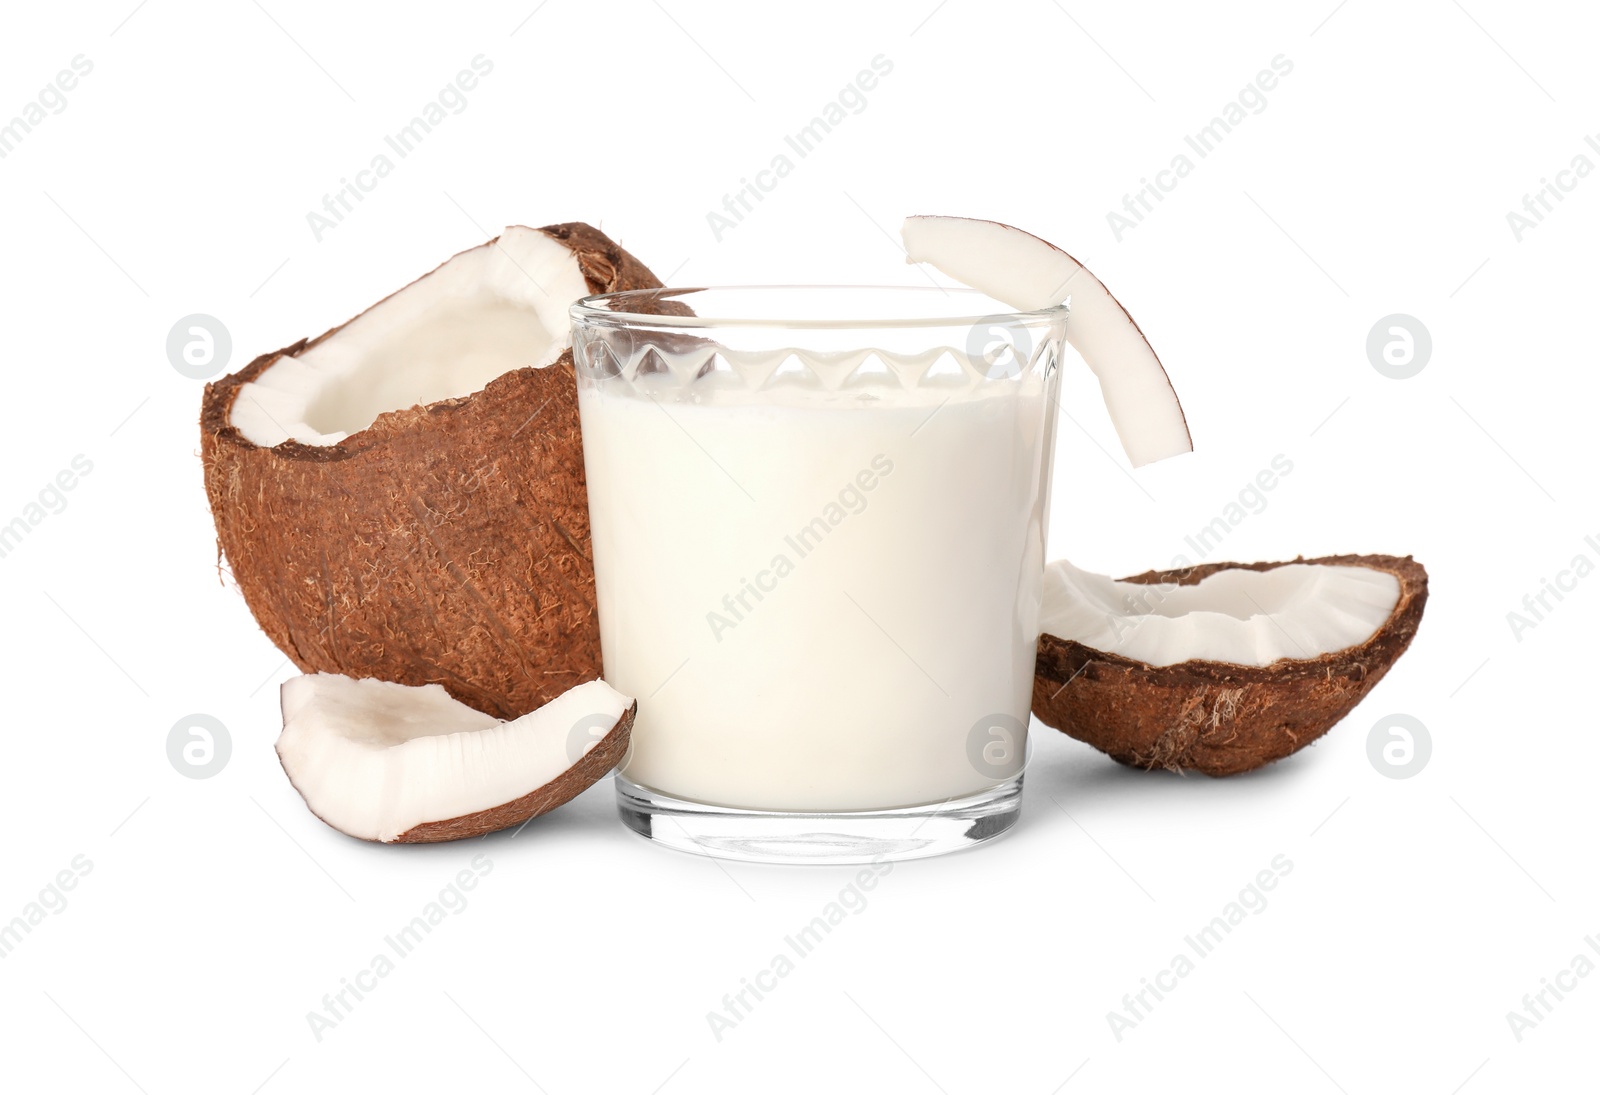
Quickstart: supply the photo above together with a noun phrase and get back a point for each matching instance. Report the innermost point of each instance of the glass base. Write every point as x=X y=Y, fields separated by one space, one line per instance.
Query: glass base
x=762 y=836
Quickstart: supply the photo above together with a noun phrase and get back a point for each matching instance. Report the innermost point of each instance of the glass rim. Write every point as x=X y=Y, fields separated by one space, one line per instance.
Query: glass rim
x=599 y=309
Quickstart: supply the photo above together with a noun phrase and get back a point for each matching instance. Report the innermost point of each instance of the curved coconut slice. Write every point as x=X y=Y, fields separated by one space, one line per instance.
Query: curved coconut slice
x=1028 y=273
x=409 y=765
x=403 y=497
x=1223 y=667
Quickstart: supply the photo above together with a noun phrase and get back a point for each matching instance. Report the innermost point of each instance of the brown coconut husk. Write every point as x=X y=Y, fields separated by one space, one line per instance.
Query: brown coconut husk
x=1215 y=717
x=446 y=543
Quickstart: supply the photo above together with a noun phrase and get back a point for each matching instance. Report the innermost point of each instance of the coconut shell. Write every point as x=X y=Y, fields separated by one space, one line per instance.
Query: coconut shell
x=1215 y=717
x=446 y=543
x=605 y=755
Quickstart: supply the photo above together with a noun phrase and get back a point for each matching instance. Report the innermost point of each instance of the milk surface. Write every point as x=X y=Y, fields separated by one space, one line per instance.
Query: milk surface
x=819 y=604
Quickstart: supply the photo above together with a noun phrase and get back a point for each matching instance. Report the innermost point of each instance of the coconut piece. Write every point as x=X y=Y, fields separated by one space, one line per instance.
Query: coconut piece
x=401 y=764
x=1224 y=667
x=403 y=497
x=1029 y=273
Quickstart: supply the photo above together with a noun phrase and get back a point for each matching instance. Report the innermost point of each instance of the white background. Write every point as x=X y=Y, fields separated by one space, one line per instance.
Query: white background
x=1377 y=180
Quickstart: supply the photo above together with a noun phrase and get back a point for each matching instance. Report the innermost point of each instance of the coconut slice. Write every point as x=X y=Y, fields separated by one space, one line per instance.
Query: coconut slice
x=403 y=497
x=1028 y=273
x=1225 y=667
x=410 y=765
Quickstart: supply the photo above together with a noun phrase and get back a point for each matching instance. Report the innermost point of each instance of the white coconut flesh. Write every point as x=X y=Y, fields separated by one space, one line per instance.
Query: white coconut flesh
x=485 y=312
x=1028 y=273
x=376 y=759
x=1243 y=617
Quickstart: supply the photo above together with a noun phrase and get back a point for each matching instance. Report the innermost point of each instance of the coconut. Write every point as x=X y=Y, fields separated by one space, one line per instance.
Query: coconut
x=403 y=496
x=1224 y=667
x=1028 y=273
x=408 y=764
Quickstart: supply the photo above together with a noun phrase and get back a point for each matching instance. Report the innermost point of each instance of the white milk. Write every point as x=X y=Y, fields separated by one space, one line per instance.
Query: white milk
x=819 y=608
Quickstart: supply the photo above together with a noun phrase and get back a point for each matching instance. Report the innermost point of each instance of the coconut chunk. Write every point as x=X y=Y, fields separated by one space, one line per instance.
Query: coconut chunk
x=1028 y=273
x=1244 y=617
x=1224 y=667
x=409 y=764
x=445 y=541
x=485 y=312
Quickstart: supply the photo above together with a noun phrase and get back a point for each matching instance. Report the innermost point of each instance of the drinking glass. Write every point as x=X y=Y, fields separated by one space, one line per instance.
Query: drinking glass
x=818 y=518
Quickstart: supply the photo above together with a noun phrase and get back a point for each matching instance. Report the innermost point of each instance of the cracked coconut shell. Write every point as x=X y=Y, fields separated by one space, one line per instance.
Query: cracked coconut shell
x=1215 y=717
x=446 y=543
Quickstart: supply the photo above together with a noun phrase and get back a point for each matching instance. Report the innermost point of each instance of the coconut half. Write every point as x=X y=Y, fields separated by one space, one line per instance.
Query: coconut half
x=410 y=765
x=403 y=497
x=1028 y=273
x=1220 y=668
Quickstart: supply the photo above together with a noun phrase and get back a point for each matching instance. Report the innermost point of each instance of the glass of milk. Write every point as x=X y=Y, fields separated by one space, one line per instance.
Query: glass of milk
x=818 y=519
